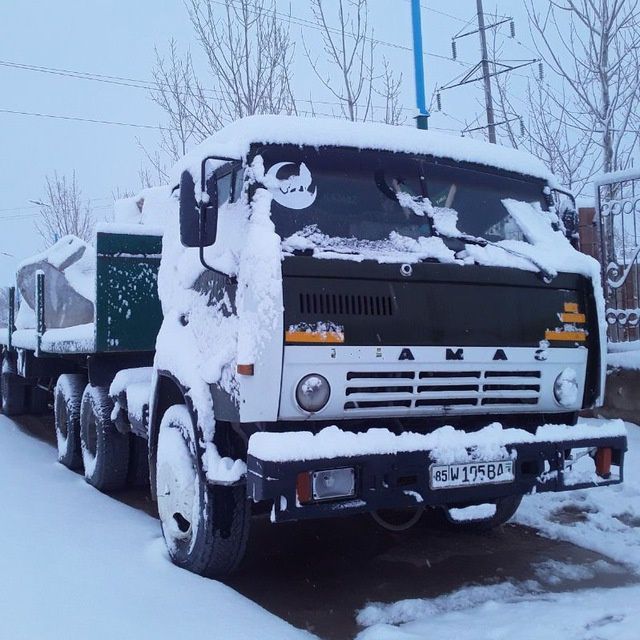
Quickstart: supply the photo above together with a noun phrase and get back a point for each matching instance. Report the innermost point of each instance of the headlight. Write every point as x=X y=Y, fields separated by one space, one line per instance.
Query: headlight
x=565 y=388
x=312 y=392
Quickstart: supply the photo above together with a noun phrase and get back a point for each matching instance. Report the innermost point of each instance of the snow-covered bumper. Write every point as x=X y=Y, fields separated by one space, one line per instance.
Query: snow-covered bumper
x=336 y=472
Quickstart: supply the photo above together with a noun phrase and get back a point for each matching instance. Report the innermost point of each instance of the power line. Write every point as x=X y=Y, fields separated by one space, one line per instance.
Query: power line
x=146 y=85
x=80 y=119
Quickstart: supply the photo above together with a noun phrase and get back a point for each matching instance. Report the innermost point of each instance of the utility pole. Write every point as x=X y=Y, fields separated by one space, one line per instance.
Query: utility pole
x=484 y=70
x=422 y=119
x=486 y=74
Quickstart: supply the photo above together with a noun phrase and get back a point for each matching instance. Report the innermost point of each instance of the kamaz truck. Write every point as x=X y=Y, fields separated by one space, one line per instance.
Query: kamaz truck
x=318 y=319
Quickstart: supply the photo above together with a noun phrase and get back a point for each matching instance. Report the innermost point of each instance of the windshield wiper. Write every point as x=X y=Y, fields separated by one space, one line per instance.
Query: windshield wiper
x=481 y=242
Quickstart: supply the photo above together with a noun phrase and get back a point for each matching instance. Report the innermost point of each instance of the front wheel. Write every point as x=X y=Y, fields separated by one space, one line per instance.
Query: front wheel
x=205 y=528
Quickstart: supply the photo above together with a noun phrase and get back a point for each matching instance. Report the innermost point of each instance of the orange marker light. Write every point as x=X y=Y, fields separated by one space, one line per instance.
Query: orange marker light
x=245 y=369
x=603 y=462
x=303 y=488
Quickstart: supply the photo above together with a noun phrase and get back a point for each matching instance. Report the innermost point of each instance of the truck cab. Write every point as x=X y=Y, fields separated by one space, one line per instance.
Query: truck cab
x=360 y=318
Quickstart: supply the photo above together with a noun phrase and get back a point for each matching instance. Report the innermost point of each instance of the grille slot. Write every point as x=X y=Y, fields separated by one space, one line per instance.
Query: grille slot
x=450 y=402
x=512 y=374
x=440 y=391
x=345 y=304
x=377 y=404
x=361 y=375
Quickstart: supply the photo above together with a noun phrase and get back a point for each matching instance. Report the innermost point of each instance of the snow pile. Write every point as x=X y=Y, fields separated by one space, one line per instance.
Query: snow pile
x=604 y=520
x=236 y=138
x=473 y=512
x=135 y=384
x=69 y=268
x=198 y=339
x=446 y=444
x=77 y=339
x=260 y=303
x=148 y=212
x=620 y=357
x=506 y=610
x=397 y=248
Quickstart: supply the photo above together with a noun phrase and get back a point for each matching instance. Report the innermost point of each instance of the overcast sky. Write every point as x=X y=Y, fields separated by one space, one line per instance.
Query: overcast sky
x=117 y=38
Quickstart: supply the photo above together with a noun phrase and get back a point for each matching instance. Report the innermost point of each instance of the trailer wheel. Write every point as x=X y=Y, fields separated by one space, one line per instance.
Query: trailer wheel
x=205 y=528
x=67 y=401
x=105 y=451
x=14 y=390
x=505 y=510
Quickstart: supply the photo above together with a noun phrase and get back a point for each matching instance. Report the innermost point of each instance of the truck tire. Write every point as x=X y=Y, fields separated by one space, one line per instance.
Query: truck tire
x=67 y=399
x=505 y=510
x=205 y=527
x=14 y=390
x=105 y=451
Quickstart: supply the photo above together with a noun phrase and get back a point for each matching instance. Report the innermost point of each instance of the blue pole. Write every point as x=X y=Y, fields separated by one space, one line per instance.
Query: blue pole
x=422 y=119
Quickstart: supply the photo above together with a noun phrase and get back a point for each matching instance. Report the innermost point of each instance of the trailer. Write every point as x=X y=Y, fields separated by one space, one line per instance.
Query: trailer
x=337 y=318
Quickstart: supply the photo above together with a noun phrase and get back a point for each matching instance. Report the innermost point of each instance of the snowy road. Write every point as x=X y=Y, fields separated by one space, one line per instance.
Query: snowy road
x=79 y=564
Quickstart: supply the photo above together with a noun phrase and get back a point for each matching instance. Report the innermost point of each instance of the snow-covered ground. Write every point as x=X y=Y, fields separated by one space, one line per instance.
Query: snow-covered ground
x=605 y=520
x=78 y=564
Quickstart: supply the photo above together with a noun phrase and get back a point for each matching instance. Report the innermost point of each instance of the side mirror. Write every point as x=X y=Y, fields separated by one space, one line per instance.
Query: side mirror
x=189 y=212
x=209 y=209
x=566 y=209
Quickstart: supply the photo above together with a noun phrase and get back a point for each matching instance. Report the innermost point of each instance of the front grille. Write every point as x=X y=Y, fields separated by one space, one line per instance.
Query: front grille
x=340 y=304
x=440 y=391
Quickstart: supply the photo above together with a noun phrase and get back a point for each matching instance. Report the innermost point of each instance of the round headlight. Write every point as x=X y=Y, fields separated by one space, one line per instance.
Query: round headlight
x=312 y=392
x=565 y=388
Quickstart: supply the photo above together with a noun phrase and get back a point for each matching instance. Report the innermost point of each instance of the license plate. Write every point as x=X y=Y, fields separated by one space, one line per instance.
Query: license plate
x=444 y=476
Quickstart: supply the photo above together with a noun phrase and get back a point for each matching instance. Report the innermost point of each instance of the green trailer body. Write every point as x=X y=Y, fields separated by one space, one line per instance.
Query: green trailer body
x=128 y=313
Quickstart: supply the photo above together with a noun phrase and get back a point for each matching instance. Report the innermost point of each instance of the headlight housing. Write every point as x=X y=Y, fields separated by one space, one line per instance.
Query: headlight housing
x=565 y=388
x=313 y=392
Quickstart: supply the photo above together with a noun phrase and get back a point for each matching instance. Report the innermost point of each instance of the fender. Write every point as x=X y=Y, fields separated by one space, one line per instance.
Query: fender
x=166 y=391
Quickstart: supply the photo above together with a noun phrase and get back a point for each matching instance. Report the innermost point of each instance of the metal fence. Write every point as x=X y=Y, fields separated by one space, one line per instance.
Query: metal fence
x=618 y=216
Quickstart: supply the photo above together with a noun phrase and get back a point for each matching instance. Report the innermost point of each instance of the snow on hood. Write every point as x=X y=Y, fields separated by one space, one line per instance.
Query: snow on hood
x=235 y=139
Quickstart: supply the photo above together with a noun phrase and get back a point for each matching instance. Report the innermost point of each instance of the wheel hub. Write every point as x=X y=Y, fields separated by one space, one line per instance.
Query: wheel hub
x=177 y=487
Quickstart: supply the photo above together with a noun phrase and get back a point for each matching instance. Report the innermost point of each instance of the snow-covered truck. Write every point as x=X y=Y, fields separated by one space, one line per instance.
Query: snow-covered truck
x=338 y=318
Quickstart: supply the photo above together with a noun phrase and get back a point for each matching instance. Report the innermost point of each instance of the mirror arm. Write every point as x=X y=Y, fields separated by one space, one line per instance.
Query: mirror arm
x=230 y=279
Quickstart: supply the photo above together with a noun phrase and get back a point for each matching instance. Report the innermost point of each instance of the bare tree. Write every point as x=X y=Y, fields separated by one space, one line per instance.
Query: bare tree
x=351 y=73
x=63 y=211
x=541 y=125
x=391 y=87
x=593 y=46
x=249 y=55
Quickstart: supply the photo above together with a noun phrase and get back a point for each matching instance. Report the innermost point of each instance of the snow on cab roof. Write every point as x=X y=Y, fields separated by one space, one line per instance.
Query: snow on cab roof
x=235 y=139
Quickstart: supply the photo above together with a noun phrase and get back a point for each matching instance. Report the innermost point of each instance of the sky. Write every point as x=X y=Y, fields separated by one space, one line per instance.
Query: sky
x=118 y=39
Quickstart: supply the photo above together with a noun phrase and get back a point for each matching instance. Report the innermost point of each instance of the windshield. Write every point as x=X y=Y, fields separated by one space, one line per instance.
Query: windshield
x=355 y=194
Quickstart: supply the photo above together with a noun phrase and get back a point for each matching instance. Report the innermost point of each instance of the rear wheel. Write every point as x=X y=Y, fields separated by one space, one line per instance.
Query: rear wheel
x=205 y=528
x=14 y=389
x=67 y=401
x=105 y=451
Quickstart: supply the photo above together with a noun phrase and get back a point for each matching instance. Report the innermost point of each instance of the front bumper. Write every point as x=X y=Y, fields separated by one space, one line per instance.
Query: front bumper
x=392 y=471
